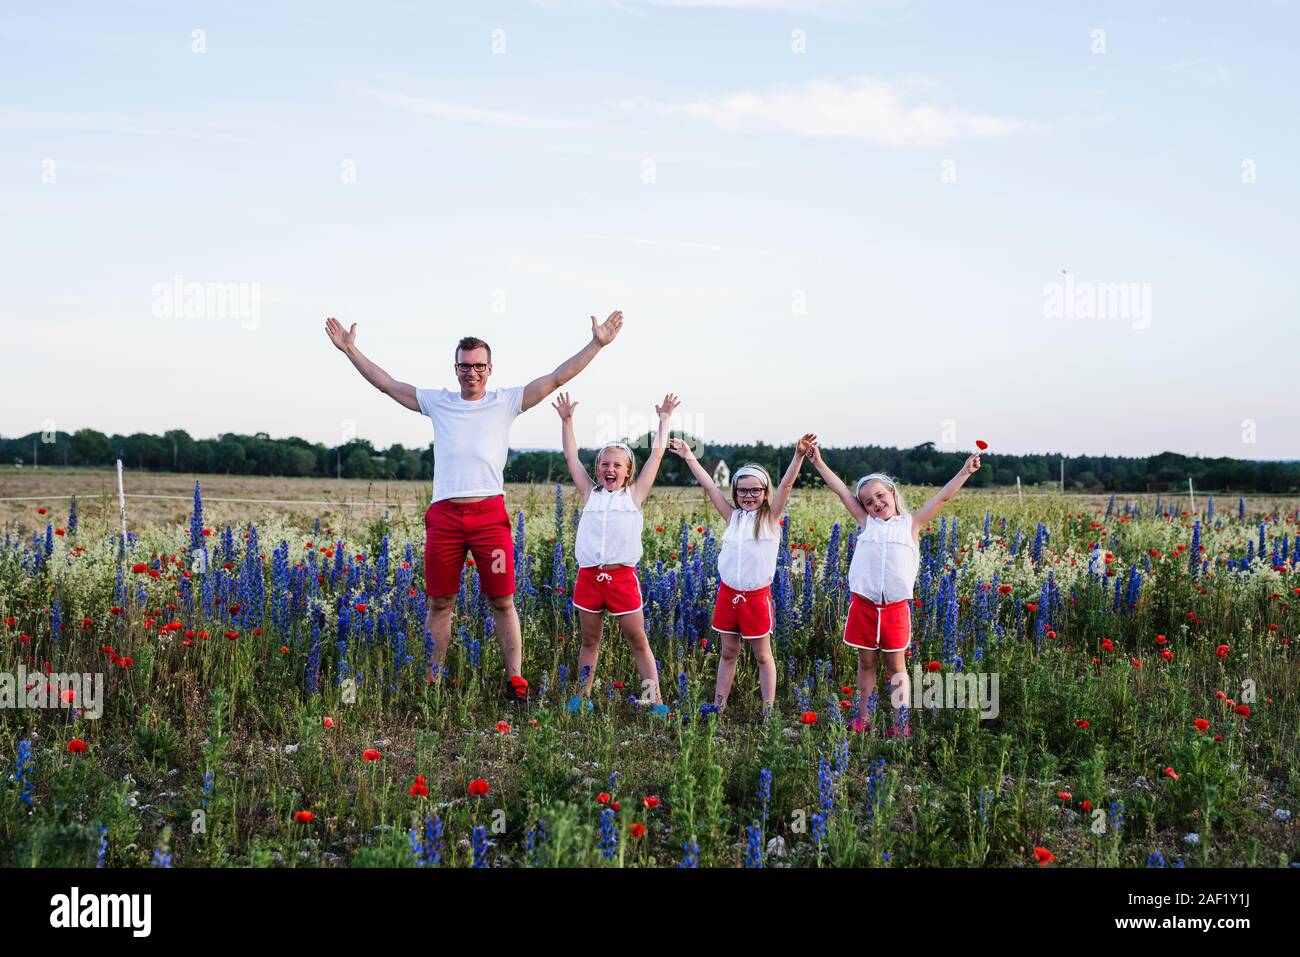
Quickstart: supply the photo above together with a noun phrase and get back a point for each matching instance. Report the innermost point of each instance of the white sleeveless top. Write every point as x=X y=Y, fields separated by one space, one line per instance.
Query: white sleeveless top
x=609 y=531
x=744 y=563
x=885 y=560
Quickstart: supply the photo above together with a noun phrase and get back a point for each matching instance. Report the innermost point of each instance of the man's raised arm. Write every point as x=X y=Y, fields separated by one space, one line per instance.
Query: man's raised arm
x=346 y=342
x=602 y=334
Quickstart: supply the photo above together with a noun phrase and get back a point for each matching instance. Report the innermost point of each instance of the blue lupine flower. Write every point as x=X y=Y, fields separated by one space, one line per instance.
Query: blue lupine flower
x=72 y=518
x=480 y=846
x=608 y=839
x=23 y=768
x=764 y=790
x=427 y=848
x=101 y=854
x=1194 y=552
x=754 y=846
x=1156 y=859
x=818 y=828
x=161 y=858
x=690 y=855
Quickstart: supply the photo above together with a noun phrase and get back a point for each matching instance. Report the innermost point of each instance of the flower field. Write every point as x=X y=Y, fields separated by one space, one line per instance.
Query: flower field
x=266 y=697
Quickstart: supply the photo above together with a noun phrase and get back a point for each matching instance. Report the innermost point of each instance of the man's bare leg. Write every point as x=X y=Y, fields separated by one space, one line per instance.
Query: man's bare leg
x=505 y=622
x=437 y=621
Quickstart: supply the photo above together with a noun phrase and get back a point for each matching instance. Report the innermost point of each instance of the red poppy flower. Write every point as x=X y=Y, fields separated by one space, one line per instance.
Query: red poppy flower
x=1161 y=639
x=232 y=635
x=1136 y=663
x=602 y=797
x=327 y=721
x=1220 y=695
x=1004 y=589
x=1085 y=805
x=41 y=510
x=981 y=444
x=361 y=607
x=419 y=788
x=303 y=817
x=370 y=754
x=1044 y=856
x=1166 y=654
x=650 y=802
x=1171 y=773
x=1243 y=710
x=1222 y=651
x=76 y=746
x=478 y=787
x=636 y=830
x=808 y=717
x=934 y=666
x=1201 y=724
x=618 y=685
x=503 y=727
x=139 y=568
x=614 y=805
x=1081 y=723
x=1063 y=795
x=1106 y=645
x=58 y=531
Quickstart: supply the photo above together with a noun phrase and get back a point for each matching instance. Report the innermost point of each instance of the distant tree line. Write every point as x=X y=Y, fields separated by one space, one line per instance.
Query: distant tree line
x=259 y=454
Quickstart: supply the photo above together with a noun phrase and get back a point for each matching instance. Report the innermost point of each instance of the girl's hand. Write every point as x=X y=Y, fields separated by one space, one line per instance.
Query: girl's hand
x=972 y=464
x=563 y=406
x=807 y=442
x=671 y=402
x=814 y=453
x=680 y=447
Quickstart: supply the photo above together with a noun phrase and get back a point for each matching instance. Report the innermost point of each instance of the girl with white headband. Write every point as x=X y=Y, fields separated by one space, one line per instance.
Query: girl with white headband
x=882 y=574
x=747 y=564
x=608 y=547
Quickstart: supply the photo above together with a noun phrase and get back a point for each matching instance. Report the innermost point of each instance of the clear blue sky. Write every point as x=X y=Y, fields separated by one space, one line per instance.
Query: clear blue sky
x=775 y=225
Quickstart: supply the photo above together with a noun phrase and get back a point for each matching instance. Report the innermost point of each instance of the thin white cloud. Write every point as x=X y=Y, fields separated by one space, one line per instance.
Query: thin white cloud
x=861 y=108
x=459 y=112
x=119 y=123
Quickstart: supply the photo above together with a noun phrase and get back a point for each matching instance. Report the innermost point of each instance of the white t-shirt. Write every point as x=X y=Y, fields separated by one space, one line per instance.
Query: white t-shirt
x=609 y=531
x=471 y=440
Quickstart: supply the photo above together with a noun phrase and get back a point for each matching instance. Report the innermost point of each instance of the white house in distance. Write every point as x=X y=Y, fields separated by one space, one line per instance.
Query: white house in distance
x=717 y=469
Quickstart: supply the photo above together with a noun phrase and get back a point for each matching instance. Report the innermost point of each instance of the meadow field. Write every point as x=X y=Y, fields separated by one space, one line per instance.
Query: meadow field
x=266 y=697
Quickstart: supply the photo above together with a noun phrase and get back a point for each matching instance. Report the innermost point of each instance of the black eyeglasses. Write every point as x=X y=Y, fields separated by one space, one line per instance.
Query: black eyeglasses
x=742 y=492
x=479 y=367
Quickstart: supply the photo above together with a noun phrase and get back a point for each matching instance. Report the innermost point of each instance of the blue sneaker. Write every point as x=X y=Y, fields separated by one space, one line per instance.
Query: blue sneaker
x=577 y=703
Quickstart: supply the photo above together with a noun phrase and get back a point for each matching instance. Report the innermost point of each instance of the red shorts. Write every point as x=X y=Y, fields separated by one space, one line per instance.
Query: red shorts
x=883 y=627
x=749 y=614
x=483 y=528
x=615 y=589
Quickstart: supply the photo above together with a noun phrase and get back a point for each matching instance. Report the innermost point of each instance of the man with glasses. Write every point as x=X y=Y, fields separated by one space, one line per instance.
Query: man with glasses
x=471 y=428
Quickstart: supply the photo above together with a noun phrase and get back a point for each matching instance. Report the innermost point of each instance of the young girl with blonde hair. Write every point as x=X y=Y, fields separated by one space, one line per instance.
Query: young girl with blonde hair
x=608 y=548
x=882 y=574
x=746 y=564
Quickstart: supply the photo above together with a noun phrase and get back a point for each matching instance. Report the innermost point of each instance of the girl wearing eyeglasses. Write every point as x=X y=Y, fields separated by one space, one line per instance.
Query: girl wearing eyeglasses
x=747 y=564
x=608 y=547
x=882 y=574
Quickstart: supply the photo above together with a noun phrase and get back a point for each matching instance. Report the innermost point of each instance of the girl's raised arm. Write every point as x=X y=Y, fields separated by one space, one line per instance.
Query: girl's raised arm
x=834 y=483
x=725 y=508
x=781 y=496
x=581 y=479
x=644 y=481
x=931 y=508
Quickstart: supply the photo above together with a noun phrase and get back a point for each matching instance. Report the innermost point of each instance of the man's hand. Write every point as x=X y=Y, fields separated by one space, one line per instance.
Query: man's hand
x=605 y=332
x=342 y=340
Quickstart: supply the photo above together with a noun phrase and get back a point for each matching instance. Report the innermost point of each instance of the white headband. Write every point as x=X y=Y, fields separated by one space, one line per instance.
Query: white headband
x=631 y=457
x=867 y=478
x=755 y=470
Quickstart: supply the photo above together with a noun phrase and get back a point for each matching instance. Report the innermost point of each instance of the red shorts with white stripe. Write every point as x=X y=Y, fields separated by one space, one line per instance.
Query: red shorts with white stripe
x=878 y=627
x=749 y=614
x=613 y=588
